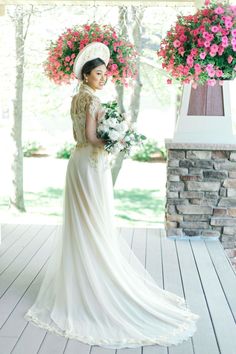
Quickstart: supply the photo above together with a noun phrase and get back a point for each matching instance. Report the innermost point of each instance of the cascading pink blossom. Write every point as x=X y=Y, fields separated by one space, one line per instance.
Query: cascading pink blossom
x=62 y=52
x=194 y=41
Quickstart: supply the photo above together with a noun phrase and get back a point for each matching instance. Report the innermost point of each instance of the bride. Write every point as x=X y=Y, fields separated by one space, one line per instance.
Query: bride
x=95 y=289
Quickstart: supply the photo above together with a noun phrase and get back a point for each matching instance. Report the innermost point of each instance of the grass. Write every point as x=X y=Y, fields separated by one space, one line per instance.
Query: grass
x=141 y=206
x=139 y=199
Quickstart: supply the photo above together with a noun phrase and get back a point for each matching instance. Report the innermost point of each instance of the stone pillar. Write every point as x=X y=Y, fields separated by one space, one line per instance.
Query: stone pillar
x=201 y=191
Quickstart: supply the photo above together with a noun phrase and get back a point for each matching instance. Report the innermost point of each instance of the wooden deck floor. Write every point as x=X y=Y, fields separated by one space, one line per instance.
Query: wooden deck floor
x=195 y=269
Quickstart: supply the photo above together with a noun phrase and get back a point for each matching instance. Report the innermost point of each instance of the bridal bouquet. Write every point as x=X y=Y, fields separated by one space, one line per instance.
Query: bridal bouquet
x=201 y=48
x=119 y=133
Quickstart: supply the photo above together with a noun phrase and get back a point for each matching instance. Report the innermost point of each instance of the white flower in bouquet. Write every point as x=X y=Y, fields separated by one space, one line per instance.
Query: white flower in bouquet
x=114 y=135
x=117 y=131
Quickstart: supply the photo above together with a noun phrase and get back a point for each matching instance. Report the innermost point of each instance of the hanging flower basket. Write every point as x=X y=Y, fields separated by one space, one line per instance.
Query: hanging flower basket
x=62 y=52
x=201 y=48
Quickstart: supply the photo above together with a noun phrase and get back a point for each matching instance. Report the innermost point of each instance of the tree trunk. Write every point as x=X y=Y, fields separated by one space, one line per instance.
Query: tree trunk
x=117 y=164
x=135 y=97
x=137 y=13
x=17 y=194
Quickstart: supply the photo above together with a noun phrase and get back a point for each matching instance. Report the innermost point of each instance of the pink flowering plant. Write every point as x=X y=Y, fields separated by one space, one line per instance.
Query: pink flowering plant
x=201 y=48
x=62 y=53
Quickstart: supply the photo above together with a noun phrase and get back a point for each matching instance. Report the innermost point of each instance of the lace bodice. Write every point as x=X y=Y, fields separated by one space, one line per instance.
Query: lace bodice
x=84 y=100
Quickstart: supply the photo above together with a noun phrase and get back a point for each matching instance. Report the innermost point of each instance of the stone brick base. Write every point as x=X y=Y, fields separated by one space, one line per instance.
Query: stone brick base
x=201 y=192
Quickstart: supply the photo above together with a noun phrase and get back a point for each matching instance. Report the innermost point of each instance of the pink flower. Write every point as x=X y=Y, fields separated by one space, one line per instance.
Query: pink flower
x=181 y=51
x=205 y=35
x=190 y=61
x=214 y=48
x=186 y=70
x=183 y=38
x=211 y=73
x=176 y=43
x=208 y=36
x=219 y=73
x=207 y=2
x=230 y=59
x=212 y=54
x=220 y=50
x=214 y=29
x=203 y=55
x=197 y=68
x=211 y=82
x=200 y=42
x=219 y=10
x=233 y=32
x=209 y=67
x=207 y=44
x=225 y=42
x=194 y=52
x=70 y=44
x=67 y=58
x=114 y=67
x=210 y=70
x=228 y=24
x=169 y=81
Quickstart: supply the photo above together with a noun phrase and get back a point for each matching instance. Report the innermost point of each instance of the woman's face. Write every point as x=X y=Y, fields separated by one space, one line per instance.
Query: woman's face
x=98 y=77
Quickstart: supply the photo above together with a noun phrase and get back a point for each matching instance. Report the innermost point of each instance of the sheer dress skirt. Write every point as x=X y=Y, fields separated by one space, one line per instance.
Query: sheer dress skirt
x=94 y=288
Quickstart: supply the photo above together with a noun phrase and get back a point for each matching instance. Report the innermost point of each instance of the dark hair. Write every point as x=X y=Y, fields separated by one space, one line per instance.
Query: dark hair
x=90 y=65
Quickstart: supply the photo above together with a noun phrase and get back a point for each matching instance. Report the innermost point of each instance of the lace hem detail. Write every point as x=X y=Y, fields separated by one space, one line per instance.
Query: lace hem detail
x=177 y=336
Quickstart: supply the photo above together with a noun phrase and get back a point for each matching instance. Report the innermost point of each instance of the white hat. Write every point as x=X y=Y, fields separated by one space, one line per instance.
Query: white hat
x=91 y=51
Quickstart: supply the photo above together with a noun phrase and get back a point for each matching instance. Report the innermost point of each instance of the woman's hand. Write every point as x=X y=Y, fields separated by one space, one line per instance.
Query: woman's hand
x=100 y=115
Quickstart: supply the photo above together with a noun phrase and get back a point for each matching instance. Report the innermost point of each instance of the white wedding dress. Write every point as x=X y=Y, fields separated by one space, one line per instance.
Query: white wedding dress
x=95 y=289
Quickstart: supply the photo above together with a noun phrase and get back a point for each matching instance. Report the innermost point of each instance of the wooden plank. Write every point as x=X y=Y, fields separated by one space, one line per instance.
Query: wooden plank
x=127 y=234
x=74 y=346
x=196 y=300
x=101 y=350
x=139 y=244
x=225 y=272
x=130 y=351
x=187 y=269
x=13 y=238
x=154 y=267
x=7 y=229
x=173 y=283
x=154 y=257
x=15 y=280
x=52 y=344
x=18 y=247
x=221 y=315
x=22 y=334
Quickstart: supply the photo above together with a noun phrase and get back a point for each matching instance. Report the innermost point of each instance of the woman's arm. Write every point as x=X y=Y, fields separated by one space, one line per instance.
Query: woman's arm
x=91 y=126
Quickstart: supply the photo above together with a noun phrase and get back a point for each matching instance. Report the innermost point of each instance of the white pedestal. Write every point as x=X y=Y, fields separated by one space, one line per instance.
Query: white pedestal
x=205 y=128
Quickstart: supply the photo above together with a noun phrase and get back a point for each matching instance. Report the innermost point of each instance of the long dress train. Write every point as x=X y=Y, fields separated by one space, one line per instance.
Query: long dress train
x=95 y=289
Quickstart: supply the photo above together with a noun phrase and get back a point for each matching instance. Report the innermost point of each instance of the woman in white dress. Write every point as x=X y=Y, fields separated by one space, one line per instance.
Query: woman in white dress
x=95 y=289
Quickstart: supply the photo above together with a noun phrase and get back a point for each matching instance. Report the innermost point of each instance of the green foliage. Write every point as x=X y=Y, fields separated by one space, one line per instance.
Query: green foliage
x=65 y=151
x=30 y=147
x=144 y=153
